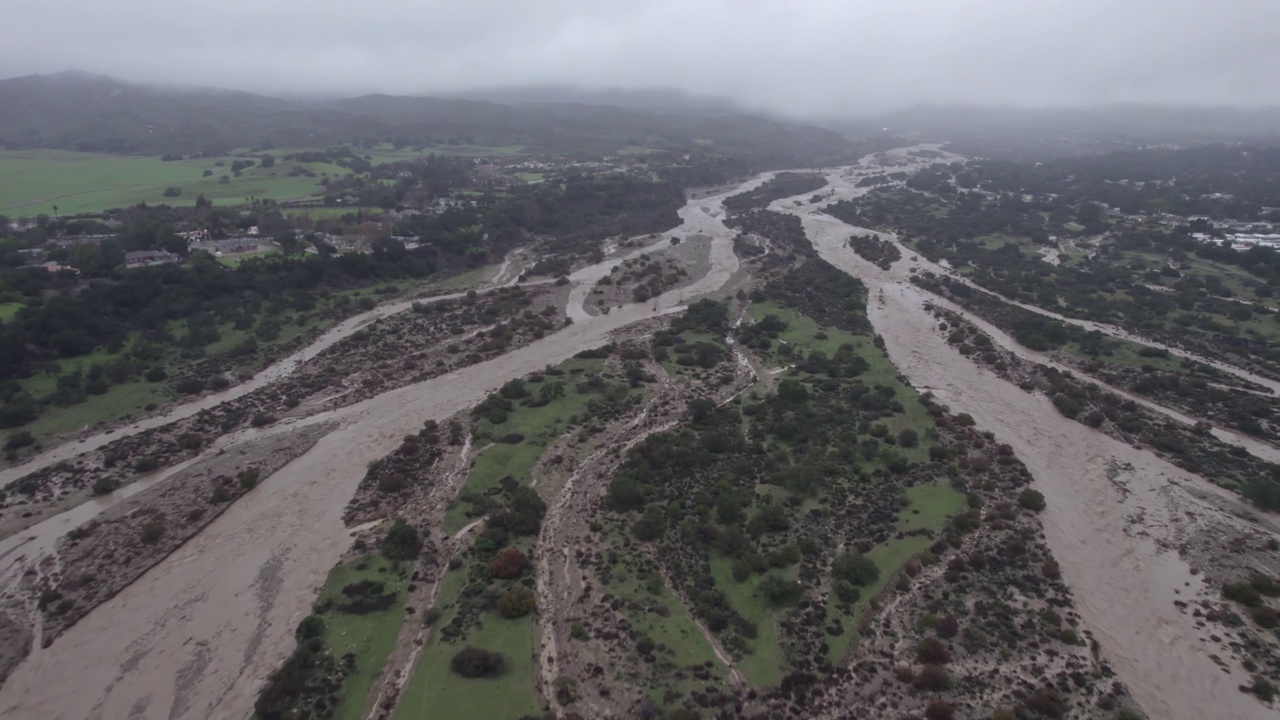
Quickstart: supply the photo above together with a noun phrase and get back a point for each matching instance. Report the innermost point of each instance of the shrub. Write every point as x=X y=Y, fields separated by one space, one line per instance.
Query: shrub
x=932 y=651
x=779 y=591
x=1265 y=616
x=1047 y=702
x=151 y=532
x=939 y=710
x=855 y=568
x=393 y=483
x=473 y=662
x=948 y=627
x=1031 y=499
x=1243 y=593
x=188 y=386
x=932 y=678
x=908 y=438
x=19 y=440
x=516 y=602
x=508 y=564
x=249 y=478
x=401 y=542
x=103 y=485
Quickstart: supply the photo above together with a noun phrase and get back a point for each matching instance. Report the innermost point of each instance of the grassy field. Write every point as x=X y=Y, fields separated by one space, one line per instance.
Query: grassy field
x=370 y=637
x=531 y=177
x=931 y=506
x=539 y=426
x=34 y=181
x=435 y=693
x=766 y=665
x=679 y=642
x=802 y=334
x=8 y=310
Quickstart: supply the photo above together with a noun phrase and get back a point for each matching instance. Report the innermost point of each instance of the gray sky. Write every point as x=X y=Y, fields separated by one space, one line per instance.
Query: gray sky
x=810 y=57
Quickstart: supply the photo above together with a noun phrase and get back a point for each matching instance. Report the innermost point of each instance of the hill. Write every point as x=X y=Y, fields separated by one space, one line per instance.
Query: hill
x=84 y=112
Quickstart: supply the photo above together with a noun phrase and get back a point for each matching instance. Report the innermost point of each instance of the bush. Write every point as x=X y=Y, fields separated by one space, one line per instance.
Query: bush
x=1243 y=593
x=932 y=651
x=908 y=438
x=948 y=627
x=156 y=374
x=855 y=568
x=188 y=386
x=939 y=710
x=1031 y=499
x=401 y=542
x=932 y=678
x=1265 y=616
x=508 y=564
x=393 y=483
x=151 y=532
x=473 y=662
x=19 y=440
x=249 y=478
x=1047 y=702
x=779 y=591
x=516 y=602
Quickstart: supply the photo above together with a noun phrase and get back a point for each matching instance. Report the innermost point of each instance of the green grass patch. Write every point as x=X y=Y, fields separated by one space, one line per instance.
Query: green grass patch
x=804 y=334
x=8 y=310
x=679 y=641
x=931 y=506
x=434 y=692
x=35 y=181
x=370 y=637
x=766 y=665
x=540 y=426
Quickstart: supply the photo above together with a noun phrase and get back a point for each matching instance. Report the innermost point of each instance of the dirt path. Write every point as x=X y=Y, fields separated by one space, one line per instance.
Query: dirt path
x=1114 y=533
x=196 y=635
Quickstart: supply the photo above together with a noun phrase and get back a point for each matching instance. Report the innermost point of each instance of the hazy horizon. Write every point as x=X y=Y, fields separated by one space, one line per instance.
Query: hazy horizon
x=822 y=59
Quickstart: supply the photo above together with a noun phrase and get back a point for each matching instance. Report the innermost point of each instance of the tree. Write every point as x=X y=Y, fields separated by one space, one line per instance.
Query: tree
x=855 y=568
x=402 y=541
x=780 y=592
x=471 y=662
x=908 y=438
x=508 y=564
x=516 y=602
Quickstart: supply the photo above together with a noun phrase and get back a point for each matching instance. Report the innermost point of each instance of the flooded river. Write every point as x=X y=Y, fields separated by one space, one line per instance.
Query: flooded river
x=1113 y=511
x=197 y=634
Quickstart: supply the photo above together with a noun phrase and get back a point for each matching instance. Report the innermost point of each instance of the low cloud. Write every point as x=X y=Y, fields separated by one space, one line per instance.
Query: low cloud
x=813 y=58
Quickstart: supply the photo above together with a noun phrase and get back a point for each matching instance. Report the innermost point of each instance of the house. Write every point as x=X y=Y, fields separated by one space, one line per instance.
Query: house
x=54 y=267
x=145 y=258
x=227 y=246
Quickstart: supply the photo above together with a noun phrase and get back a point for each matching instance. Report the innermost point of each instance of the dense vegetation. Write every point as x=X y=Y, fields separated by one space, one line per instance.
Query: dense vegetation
x=783 y=185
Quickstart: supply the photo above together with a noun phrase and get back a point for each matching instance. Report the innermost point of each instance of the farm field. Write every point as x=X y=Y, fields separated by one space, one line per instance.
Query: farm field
x=33 y=182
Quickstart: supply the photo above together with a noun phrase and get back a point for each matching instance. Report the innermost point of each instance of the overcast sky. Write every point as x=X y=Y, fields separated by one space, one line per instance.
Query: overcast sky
x=798 y=57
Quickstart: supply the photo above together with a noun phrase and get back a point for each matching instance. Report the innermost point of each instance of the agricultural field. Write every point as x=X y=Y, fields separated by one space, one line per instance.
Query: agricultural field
x=34 y=182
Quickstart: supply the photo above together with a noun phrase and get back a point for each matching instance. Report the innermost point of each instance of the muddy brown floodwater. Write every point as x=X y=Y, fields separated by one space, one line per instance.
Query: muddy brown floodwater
x=1113 y=513
x=196 y=635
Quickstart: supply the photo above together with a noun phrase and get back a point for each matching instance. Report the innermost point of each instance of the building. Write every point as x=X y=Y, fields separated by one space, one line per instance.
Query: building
x=145 y=258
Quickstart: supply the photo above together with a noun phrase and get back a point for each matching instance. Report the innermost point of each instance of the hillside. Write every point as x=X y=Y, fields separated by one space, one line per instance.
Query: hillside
x=79 y=111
